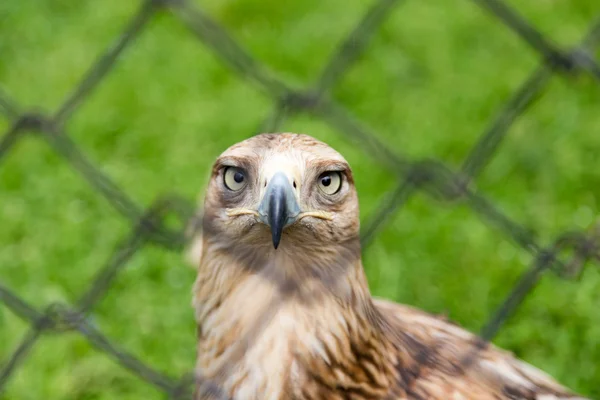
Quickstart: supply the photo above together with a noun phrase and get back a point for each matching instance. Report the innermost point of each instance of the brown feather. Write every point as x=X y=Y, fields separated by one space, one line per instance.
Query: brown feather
x=299 y=322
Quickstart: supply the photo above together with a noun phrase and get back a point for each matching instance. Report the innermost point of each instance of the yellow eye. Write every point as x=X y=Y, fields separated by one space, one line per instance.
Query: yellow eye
x=330 y=182
x=234 y=178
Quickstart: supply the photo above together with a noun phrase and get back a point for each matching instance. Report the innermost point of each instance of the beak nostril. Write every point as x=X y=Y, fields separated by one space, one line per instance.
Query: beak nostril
x=265 y=185
x=294 y=184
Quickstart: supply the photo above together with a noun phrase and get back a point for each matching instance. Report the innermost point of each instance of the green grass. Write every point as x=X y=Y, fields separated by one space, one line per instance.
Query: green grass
x=431 y=80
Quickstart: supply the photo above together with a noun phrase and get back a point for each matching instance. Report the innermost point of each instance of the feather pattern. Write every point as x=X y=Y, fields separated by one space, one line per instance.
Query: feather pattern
x=299 y=323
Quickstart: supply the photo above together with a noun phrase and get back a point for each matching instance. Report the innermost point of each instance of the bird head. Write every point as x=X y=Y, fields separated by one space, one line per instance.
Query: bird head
x=281 y=191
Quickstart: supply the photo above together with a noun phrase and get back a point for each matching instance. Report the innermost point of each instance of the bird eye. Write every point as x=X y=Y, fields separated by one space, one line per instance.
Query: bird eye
x=234 y=178
x=330 y=182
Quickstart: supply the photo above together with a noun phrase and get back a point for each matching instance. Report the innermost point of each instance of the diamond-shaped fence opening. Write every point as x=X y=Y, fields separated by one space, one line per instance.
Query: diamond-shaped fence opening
x=168 y=220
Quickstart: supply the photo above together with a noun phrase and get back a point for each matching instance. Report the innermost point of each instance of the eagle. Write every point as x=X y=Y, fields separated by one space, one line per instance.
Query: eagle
x=282 y=303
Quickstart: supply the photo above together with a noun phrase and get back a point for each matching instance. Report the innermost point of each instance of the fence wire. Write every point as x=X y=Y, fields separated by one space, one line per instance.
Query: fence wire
x=432 y=177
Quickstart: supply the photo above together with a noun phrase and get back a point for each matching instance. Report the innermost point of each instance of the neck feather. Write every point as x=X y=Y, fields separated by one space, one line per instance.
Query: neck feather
x=264 y=310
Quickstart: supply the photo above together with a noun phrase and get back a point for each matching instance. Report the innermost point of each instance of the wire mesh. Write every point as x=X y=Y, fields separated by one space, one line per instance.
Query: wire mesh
x=429 y=176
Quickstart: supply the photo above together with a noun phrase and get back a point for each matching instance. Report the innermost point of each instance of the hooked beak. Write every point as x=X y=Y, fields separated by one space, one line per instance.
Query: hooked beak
x=278 y=207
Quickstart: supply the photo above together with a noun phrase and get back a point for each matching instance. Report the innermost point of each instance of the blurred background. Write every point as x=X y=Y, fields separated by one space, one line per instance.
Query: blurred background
x=428 y=83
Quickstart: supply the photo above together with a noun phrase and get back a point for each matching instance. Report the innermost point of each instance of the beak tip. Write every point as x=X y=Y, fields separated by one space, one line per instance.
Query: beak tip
x=276 y=240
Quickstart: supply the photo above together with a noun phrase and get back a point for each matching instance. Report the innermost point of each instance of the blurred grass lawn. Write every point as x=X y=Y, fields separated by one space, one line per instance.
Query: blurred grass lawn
x=432 y=79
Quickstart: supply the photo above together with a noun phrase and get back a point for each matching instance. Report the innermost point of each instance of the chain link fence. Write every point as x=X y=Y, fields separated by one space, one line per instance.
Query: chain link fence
x=430 y=176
